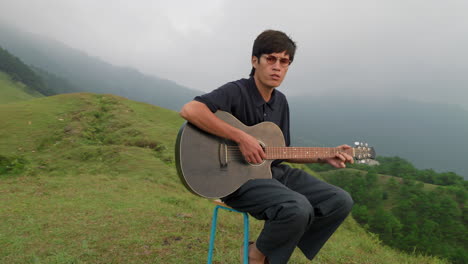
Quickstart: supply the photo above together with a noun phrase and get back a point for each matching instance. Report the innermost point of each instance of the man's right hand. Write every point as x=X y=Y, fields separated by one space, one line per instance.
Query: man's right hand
x=198 y=114
x=251 y=149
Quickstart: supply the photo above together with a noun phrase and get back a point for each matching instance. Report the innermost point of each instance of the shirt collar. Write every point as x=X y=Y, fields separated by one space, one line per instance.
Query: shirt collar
x=257 y=97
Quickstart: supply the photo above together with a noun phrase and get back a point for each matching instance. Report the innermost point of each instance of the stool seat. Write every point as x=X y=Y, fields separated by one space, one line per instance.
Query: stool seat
x=219 y=204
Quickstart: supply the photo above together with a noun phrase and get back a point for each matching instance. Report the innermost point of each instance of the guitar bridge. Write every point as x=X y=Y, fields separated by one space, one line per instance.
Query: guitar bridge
x=223 y=154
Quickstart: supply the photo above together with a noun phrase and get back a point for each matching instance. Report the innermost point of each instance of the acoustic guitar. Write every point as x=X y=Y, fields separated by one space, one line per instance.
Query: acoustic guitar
x=214 y=167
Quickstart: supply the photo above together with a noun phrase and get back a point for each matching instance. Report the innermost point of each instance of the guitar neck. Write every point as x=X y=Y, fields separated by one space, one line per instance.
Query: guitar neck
x=300 y=153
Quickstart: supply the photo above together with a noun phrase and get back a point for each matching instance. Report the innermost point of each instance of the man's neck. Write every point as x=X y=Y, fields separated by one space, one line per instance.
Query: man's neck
x=265 y=91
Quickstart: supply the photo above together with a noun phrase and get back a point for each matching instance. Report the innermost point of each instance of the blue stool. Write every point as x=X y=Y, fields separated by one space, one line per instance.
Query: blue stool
x=222 y=205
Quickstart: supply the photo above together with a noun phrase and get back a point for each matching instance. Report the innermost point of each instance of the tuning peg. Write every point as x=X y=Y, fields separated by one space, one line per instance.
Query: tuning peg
x=356 y=143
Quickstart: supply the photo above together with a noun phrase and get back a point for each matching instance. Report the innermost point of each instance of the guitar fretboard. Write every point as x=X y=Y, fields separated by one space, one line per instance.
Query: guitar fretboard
x=292 y=153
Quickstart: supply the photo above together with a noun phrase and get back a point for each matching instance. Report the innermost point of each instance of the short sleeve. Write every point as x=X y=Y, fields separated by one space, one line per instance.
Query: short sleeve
x=221 y=98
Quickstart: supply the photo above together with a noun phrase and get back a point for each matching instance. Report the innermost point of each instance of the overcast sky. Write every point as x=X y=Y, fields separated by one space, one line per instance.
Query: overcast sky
x=407 y=48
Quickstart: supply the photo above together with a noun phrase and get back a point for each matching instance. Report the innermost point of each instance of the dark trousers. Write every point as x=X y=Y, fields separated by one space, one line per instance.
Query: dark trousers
x=298 y=209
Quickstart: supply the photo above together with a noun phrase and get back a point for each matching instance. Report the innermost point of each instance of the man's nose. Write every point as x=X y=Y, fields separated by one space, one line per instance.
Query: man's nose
x=277 y=65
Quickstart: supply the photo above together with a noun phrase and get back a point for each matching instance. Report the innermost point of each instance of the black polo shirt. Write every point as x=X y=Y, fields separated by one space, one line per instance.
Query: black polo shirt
x=243 y=100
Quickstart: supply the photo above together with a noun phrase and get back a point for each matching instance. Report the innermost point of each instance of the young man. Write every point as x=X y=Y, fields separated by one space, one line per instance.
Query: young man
x=298 y=209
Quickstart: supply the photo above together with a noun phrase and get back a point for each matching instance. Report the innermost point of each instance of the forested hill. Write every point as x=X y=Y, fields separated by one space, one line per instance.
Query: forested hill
x=406 y=213
x=35 y=79
x=20 y=72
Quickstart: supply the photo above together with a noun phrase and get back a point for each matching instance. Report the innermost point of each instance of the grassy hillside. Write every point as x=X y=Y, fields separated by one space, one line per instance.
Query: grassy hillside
x=11 y=91
x=90 y=179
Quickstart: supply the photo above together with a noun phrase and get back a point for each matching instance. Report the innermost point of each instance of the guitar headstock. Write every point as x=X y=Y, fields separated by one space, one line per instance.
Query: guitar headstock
x=363 y=153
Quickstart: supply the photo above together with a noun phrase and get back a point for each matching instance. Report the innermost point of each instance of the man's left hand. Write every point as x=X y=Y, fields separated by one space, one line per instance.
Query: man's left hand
x=340 y=159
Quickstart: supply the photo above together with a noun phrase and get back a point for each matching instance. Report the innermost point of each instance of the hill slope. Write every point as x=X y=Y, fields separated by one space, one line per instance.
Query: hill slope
x=90 y=179
x=12 y=91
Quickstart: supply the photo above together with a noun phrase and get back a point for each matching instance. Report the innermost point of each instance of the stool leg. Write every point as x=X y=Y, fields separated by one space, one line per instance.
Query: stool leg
x=246 y=238
x=212 y=234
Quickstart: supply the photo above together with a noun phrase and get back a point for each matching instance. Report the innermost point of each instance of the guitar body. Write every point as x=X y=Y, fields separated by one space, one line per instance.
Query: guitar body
x=213 y=167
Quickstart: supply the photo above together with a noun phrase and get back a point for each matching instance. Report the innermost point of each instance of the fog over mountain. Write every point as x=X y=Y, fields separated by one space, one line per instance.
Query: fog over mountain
x=410 y=49
x=392 y=73
x=90 y=74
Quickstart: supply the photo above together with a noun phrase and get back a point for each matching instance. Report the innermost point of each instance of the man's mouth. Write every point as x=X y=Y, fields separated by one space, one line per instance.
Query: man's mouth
x=275 y=77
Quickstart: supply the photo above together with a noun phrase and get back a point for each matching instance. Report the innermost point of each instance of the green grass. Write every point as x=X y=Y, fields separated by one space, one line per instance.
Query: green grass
x=11 y=91
x=99 y=186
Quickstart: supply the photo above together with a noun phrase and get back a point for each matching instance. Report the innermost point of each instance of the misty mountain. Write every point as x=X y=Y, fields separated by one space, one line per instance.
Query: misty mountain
x=429 y=135
x=91 y=74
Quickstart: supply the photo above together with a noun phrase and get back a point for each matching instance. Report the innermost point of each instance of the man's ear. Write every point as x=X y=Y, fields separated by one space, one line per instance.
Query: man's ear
x=254 y=61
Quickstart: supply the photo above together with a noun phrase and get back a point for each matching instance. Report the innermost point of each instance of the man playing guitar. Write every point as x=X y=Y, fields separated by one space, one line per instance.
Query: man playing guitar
x=298 y=209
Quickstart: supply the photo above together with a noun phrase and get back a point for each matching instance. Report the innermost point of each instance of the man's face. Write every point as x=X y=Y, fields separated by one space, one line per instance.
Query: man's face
x=270 y=69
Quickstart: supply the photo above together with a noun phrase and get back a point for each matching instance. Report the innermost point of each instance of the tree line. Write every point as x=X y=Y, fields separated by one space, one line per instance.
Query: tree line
x=402 y=168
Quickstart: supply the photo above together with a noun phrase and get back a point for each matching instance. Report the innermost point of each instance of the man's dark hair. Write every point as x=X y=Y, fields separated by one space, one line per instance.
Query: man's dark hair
x=272 y=41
